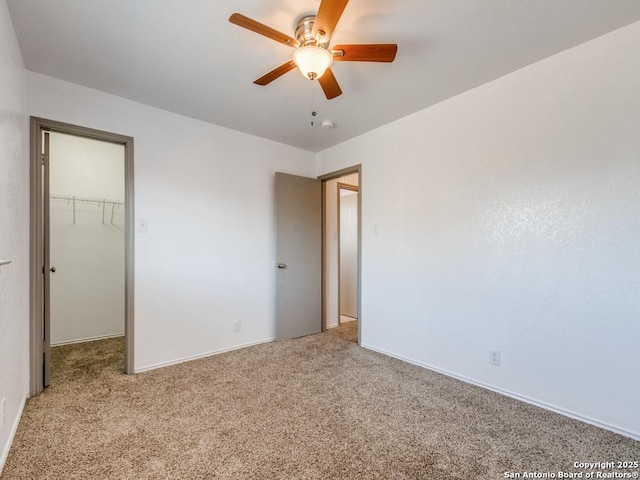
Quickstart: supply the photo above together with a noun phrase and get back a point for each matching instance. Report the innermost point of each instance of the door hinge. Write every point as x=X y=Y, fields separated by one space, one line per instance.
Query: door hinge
x=45 y=160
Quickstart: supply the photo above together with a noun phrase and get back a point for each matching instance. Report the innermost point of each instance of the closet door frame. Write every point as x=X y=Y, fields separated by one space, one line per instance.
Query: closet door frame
x=38 y=341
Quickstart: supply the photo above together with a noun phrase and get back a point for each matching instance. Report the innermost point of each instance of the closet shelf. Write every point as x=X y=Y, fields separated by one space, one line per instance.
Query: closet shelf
x=72 y=200
x=95 y=201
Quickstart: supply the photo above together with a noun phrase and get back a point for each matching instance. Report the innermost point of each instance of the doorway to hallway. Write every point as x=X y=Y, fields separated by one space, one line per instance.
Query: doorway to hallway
x=341 y=248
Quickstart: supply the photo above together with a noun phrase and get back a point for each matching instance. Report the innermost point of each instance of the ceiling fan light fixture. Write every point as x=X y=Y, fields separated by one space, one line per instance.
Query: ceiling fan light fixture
x=312 y=61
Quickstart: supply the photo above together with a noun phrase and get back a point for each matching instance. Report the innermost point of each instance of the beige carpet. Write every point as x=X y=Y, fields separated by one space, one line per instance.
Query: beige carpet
x=318 y=407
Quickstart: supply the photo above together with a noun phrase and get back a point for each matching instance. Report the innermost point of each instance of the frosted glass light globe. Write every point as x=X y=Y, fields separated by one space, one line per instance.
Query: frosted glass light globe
x=312 y=61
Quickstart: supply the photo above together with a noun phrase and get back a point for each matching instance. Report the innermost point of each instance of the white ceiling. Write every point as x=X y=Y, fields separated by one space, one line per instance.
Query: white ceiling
x=184 y=56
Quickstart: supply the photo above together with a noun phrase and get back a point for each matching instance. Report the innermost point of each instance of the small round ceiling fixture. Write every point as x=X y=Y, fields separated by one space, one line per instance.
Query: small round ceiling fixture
x=328 y=124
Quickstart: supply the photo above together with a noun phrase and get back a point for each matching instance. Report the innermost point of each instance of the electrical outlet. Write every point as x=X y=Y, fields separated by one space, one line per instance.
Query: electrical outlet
x=494 y=357
x=237 y=326
x=3 y=414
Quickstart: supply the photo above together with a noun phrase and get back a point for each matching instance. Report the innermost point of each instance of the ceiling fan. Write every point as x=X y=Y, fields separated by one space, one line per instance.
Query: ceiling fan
x=312 y=55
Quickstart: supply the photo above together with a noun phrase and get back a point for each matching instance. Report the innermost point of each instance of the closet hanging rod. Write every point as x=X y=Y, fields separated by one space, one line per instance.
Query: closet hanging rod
x=91 y=200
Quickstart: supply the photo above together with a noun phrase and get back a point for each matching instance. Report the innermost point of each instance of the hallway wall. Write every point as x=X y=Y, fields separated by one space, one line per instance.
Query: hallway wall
x=331 y=307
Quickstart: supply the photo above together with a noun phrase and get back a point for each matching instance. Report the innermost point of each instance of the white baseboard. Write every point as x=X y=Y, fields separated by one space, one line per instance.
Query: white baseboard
x=202 y=355
x=531 y=401
x=89 y=339
x=12 y=433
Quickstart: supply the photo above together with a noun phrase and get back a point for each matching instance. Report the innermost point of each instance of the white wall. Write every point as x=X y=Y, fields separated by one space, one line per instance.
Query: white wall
x=87 y=289
x=14 y=234
x=508 y=218
x=207 y=195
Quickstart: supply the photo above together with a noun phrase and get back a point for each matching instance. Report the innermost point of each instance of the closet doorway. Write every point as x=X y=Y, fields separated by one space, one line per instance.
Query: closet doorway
x=81 y=241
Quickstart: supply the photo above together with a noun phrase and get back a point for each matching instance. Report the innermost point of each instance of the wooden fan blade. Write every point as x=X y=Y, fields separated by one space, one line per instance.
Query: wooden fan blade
x=277 y=72
x=376 y=52
x=329 y=13
x=329 y=85
x=257 y=27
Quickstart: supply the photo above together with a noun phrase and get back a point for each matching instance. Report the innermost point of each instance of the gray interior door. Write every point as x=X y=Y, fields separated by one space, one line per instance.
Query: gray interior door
x=299 y=256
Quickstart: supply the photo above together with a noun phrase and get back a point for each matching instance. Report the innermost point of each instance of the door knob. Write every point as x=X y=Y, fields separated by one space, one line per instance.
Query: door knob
x=52 y=269
x=282 y=265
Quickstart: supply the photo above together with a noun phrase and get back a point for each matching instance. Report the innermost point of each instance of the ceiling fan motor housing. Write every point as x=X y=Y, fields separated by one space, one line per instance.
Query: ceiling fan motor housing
x=304 y=33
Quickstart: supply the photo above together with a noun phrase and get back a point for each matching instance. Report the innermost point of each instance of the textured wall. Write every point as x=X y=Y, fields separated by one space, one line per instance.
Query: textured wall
x=14 y=233
x=508 y=218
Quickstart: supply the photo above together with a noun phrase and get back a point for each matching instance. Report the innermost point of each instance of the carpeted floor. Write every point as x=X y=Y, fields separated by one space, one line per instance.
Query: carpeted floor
x=318 y=407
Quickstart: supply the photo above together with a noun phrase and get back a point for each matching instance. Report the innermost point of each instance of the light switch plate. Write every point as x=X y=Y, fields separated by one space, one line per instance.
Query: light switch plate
x=141 y=225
